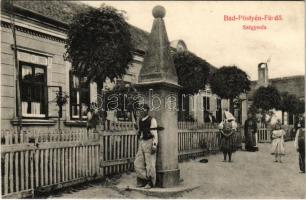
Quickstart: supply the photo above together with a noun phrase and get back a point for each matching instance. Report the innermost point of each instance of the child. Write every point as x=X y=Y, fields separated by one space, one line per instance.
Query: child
x=278 y=147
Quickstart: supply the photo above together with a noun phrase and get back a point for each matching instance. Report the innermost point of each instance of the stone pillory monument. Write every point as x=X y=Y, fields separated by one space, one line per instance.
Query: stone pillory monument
x=158 y=75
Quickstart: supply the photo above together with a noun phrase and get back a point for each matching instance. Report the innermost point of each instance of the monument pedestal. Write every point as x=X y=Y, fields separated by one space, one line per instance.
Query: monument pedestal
x=167 y=178
x=158 y=84
x=162 y=100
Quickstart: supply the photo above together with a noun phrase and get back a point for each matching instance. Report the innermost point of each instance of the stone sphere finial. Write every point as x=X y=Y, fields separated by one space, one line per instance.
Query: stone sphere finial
x=159 y=12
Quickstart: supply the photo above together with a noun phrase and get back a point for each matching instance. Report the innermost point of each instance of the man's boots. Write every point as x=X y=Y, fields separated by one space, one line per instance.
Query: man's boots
x=149 y=185
x=141 y=182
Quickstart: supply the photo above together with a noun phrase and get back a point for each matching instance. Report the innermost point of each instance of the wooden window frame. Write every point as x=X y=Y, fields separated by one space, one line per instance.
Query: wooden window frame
x=45 y=85
x=206 y=103
x=79 y=89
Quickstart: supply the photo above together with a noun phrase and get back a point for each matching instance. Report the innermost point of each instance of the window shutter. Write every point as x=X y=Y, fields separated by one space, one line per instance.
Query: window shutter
x=53 y=109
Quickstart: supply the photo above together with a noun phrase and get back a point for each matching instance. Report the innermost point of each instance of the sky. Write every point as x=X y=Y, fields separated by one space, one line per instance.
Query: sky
x=202 y=26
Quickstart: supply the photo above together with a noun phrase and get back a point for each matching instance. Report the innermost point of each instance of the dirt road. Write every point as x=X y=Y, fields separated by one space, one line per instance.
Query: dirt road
x=251 y=175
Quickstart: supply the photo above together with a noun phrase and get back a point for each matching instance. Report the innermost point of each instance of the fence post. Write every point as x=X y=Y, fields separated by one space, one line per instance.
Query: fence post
x=100 y=158
x=269 y=132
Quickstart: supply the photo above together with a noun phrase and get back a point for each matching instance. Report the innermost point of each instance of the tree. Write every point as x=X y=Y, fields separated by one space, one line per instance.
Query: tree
x=99 y=45
x=128 y=99
x=266 y=98
x=300 y=107
x=289 y=103
x=300 y=110
x=229 y=82
x=193 y=73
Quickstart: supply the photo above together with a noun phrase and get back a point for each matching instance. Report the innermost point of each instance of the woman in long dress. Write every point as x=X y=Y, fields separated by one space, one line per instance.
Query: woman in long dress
x=227 y=136
x=278 y=144
x=250 y=128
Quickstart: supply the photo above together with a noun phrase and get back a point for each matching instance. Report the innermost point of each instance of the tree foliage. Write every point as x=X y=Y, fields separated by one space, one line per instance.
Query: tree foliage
x=289 y=103
x=99 y=44
x=300 y=107
x=229 y=82
x=192 y=71
x=127 y=99
x=267 y=98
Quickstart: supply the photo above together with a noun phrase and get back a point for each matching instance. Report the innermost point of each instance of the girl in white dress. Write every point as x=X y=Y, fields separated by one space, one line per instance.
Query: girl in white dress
x=278 y=144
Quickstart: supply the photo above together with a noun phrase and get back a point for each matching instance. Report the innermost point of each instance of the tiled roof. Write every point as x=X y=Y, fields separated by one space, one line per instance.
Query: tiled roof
x=291 y=84
x=63 y=11
x=59 y=10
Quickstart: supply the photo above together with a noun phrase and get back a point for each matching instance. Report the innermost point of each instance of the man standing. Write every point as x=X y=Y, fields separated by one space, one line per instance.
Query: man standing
x=250 y=129
x=145 y=160
x=299 y=144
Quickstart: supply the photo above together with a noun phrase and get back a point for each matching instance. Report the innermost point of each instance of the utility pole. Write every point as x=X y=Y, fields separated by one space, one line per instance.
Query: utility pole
x=18 y=100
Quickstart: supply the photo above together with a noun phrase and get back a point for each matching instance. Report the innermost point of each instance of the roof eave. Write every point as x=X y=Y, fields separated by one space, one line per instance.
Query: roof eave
x=20 y=11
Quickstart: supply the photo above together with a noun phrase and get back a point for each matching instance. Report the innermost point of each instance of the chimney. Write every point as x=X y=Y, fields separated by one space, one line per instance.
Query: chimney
x=263 y=77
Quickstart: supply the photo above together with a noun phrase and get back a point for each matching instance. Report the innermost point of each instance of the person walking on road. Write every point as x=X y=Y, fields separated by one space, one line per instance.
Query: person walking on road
x=145 y=160
x=299 y=144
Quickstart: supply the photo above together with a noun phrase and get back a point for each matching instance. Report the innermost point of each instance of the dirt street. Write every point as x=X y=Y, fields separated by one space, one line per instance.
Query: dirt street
x=251 y=175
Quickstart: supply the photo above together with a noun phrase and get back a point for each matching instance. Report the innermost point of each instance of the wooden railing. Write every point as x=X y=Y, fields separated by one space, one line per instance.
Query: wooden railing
x=43 y=162
x=36 y=161
x=195 y=125
x=118 y=151
x=196 y=143
x=117 y=126
x=264 y=133
x=11 y=136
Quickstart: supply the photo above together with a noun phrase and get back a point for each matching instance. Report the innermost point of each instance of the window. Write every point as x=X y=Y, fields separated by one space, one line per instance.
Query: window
x=219 y=111
x=206 y=107
x=218 y=104
x=33 y=83
x=291 y=118
x=206 y=103
x=79 y=97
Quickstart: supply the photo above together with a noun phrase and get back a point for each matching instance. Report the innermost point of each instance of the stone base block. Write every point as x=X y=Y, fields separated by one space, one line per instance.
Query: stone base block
x=173 y=192
x=167 y=178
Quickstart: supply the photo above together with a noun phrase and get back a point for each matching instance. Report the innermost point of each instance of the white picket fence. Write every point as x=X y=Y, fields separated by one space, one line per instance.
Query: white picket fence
x=44 y=160
x=264 y=133
x=195 y=125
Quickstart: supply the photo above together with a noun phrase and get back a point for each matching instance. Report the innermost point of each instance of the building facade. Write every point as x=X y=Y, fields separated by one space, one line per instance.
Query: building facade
x=40 y=39
x=294 y=85
x=205 y=105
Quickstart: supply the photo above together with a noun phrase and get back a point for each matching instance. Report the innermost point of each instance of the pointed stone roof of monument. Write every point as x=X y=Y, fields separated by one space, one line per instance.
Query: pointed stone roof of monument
x=158 y=65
